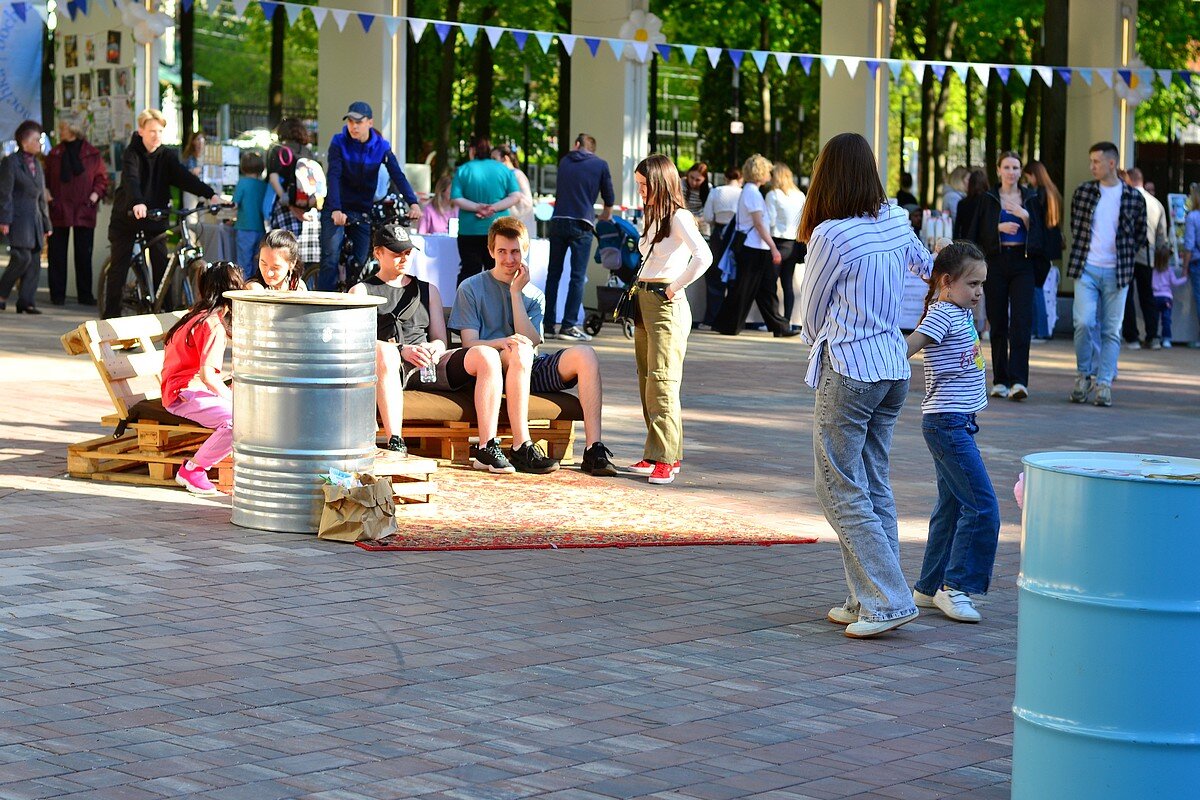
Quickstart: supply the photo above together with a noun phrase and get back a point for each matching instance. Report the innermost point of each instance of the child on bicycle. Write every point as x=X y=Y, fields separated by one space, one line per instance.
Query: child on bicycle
x=192 y=384
x=248 y=197
x=965 y=525
x=279 y=266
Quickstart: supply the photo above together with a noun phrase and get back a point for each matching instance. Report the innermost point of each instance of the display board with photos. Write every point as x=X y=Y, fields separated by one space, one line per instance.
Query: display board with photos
x=96 y=90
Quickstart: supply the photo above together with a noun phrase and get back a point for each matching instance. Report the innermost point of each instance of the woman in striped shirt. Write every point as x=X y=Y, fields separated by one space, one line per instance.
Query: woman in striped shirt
x=859 y=250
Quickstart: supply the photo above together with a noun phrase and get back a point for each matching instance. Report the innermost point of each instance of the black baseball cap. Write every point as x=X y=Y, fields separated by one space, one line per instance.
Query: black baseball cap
x=393 y=237
x=359 y=111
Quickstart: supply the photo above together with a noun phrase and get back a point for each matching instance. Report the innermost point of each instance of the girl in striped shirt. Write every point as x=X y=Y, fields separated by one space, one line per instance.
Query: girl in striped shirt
x=965 y=525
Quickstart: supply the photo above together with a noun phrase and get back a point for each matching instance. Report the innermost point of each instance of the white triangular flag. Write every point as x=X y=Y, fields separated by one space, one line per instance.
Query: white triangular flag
x=239 y=7
x=469 y=32
x=318 y=14
x=417 y=26
x=851 y=63
x=340 y=15
x=618 y=47
x=1146 y=76
x=1165 y=75
x=784 y=60
x=983 y=72
x=918 y=70
x=830 y=64
x=43 y=12
x=642 y=51
x=689 y=52
x=544 y=40
x=1046 y=74
x=714 y=55
x=1106 y=75
x=961 y=70
x=1024 y=73
x=294 y=10
x=567 y=40
x=211 y=5
x=493 y=35
x=392 y=26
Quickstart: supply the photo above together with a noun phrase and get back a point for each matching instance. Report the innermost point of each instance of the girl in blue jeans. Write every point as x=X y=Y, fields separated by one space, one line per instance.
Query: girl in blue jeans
x=965 y=525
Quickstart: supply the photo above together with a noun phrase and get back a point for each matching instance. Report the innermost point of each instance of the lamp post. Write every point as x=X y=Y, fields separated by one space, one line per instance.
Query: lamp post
x=800 y=138
x=525 y=121
x=735 y=127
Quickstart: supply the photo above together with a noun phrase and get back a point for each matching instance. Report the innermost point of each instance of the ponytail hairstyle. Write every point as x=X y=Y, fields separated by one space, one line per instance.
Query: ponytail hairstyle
x=953 y=262
x=217 y=278
x=280 y=239
x=664 y=196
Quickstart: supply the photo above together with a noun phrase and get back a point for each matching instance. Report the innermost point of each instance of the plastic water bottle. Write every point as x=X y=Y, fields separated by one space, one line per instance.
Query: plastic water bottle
x=429 y=373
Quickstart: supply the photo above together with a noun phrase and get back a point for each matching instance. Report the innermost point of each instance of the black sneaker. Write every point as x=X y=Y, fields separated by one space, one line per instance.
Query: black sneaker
x=530 y=458
x=491 y=458
x=596 y=461
x=396 y=445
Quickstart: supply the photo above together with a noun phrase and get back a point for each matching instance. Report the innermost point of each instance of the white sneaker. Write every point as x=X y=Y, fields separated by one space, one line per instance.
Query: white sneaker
x=956 y=605
x=865 y=630
x=1156 y=343
x=574 y=334
x=1018 y=392
x=840 y=615
x=923 y=600
x=1166 y=344
x=1133 y=345
x=999 y=390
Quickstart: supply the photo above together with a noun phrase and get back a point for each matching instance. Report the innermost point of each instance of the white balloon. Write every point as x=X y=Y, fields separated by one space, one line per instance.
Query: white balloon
x=143 y=33
x=157 y=27
x=139 y=11
x=165 y=21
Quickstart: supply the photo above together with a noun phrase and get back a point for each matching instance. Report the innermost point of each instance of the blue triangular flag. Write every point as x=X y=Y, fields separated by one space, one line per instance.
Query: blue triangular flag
x=1025 y=73
x=714 y=55
x=187 y=5
x=520 y=37
x=1186 y=77
x=544 y=40
x=894 y=66
x=689 y=52
x=1004 y=72
x=294 y=10
x=268 y=8
x=873 y=66
x=664 y=50
x=391 y=25
x=19 y=9
x=443 y=30
x=1086 y=74
x=618 y=48
x=469 y=32
x=1064 y=74
x=81 y=5
x=760 y=59
x=1126 y=75
x=592 y=43
x=493 y=35
x=71 y=9
x=784 y=60
x=736 y=56
x=939 y=70
x=806 y=62
x=366 y=20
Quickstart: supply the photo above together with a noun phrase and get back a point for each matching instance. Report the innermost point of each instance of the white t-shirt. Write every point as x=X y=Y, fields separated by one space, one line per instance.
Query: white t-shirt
x=955 y=381
x=722 y=204
x=1103 y=249
x=751 y=201
x=680 y=258
x=783 y=213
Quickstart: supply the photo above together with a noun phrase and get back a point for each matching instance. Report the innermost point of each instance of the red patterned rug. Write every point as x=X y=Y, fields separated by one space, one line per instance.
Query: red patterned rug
x=478 y=511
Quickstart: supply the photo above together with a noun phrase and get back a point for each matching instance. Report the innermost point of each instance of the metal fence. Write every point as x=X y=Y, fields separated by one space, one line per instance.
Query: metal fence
x=226 y=121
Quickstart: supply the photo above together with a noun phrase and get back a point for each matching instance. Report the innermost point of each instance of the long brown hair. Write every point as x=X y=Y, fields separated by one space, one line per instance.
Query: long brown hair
x=951 y=263
x=217 y=278
x=285 y=240
x=844 y=184
x=664 y=196
x=1044 y=182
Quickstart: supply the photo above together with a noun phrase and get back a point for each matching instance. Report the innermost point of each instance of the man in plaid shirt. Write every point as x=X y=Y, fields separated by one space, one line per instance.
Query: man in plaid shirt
x=1108 y=227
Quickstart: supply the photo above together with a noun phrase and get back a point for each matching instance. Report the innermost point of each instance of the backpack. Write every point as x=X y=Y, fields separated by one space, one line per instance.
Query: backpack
x=617 y=246
x=309 y=189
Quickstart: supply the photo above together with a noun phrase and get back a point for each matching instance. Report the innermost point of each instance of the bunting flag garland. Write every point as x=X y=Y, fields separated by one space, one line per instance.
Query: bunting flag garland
x=641 y=50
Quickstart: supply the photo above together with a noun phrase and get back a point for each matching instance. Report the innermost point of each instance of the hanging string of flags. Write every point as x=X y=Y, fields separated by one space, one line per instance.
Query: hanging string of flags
x=1136 y=76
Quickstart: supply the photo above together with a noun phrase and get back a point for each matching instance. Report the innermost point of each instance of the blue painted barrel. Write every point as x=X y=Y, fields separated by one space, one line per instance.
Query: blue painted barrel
x=1107 y=702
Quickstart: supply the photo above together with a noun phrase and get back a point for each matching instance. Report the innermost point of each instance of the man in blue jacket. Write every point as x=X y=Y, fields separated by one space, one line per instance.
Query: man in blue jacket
x=581 y=176
x=355 y=156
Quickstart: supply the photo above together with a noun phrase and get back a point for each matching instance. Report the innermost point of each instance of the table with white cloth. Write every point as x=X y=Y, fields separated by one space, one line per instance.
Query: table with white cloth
x=437 y=262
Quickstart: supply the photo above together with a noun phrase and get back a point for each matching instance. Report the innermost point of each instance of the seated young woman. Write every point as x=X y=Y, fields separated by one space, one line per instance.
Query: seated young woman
x=279 y=266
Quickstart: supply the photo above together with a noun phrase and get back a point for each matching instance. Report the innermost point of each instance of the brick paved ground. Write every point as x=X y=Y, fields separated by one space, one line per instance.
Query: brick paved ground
x=150 y=649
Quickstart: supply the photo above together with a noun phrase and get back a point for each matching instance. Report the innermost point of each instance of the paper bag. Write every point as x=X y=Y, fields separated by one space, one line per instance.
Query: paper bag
x=364 y=513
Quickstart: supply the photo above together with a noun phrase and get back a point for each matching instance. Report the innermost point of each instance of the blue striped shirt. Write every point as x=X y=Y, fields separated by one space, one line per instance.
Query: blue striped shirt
x=851 y=291
x=955 y=382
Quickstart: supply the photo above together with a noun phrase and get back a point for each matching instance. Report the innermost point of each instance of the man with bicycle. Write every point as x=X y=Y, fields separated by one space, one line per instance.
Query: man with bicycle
x=148 y=171
x=355 y=156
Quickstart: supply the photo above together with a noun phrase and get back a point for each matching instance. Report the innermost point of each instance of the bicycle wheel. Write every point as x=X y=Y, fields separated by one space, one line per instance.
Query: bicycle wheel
x=132 y=299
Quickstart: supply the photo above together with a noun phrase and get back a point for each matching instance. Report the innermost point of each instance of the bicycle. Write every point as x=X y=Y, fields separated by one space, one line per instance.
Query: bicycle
x=387 y=210
x=140 y=295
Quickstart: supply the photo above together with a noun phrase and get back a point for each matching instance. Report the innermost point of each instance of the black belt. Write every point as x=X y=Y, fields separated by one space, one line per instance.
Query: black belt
x=652 y=286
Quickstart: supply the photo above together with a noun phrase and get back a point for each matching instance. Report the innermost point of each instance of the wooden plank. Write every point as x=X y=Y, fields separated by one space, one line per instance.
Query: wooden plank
x=141 y=480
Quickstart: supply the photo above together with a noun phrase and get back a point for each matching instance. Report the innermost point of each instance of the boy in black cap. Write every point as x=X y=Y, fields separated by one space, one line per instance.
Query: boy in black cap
x=411 y=335
x=355 y=156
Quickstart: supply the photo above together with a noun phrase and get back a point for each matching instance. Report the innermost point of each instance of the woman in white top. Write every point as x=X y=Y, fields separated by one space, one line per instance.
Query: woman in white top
x=673 y=255
x=758 y=259
x=859 y=250
x=785 y=202
x=523 y=209
x=720 y=209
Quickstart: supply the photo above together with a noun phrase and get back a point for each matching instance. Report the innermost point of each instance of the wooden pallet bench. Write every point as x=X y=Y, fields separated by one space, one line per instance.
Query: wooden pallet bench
x=412 y=477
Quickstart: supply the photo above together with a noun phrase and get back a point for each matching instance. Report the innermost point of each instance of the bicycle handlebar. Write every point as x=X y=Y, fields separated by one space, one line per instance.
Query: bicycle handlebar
x=160 y=214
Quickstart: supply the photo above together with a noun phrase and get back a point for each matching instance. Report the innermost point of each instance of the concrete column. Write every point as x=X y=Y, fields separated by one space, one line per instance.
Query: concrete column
x=610 y=99
x=859 y=104
x=353 y=65
x=1102 y=33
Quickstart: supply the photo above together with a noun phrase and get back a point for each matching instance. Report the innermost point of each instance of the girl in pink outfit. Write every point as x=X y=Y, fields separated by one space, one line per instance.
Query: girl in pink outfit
x=192 y=385
x=1164 y=280
x=440 y=211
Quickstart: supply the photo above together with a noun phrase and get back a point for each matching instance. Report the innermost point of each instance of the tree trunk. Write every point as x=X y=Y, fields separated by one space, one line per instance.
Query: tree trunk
x=1054 y=99
x=1029 y=115
x=187 y=68
x=275 y=82
x=991 y=114
x=413 y=86
x=485 y=80
x=937 y=162
x=926 y=146
x=565 y=138
x=1006 y=126
x=445 y=89
x=764 y=86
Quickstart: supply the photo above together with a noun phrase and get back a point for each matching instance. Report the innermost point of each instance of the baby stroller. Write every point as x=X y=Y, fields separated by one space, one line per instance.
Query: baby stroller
x=617 y=251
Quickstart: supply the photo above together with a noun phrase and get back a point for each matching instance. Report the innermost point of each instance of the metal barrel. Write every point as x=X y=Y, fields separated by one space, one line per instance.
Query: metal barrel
x=303 y=401
x=1108 y=635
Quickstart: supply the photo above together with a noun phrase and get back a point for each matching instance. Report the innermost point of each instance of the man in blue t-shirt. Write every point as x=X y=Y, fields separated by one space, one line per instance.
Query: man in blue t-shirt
x=582 y=175
x=500 y=308
x=483 y=190
x=355 y=156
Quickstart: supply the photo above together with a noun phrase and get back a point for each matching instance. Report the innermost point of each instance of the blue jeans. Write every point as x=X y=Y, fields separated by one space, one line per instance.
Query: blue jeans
x=1098 y=302
x=247 y=251
x=575 y=235
x=965 y=525
x=852 y=434
x=331 y=247
x=1194 y=276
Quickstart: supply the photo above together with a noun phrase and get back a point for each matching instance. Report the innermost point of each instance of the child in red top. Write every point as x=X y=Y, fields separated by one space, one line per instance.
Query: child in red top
x=192 y=386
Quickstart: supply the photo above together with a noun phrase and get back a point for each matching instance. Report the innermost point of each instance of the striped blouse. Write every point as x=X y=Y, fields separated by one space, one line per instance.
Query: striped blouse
x=851 y=292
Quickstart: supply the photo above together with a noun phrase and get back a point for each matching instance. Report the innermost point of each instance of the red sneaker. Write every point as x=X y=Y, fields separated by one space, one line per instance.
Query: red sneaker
x=645 y=467
x=663 y=473
x=195 y=481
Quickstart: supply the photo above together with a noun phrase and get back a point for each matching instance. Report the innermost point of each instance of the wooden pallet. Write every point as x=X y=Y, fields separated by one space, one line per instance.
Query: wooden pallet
x=124 y=460
x=410 y=477
x=450 y=441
